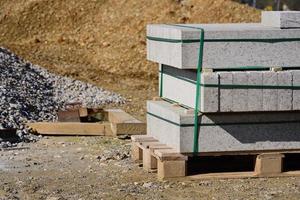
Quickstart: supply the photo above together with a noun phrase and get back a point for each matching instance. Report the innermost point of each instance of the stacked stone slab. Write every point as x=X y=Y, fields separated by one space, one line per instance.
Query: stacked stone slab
x=286 y=19
x=226 y=45
x=223 y=132
x=244 y=106
x=233 y=91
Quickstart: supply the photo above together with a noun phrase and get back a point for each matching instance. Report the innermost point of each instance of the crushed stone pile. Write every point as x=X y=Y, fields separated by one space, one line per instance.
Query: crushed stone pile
x=29 y=93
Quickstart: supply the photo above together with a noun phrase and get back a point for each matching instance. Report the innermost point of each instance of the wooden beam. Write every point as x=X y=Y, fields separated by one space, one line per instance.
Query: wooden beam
x=124 y=124
x=70 y=128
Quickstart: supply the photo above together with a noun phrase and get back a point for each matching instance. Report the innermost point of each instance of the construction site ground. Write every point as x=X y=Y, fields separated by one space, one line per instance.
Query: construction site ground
x=103 y=42
x=99 y=168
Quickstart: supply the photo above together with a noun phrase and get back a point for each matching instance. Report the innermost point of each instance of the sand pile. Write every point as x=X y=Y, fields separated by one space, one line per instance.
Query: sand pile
x=103 y=41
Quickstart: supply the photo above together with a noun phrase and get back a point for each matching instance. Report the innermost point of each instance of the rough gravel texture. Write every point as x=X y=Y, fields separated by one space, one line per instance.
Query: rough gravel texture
x=30 y=93
x=95 y=168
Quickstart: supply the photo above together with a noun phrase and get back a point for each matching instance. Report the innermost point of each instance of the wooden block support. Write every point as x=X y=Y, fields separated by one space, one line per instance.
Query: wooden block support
x=124 y=124
x=70 y=128
x=268 y=164
x=143 y=138
x=149 y=162
x=171 y=169
x=136 y=152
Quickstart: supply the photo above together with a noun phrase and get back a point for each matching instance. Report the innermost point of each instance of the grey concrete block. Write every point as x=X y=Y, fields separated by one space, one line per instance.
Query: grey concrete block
x=210 y=95
x=240 y=96
x=255 y=95
x=226 y=94
x=270 y=96
x=285 y=96
x=281 y=19
x=180 y=86
x=296 y=93
x=229 y=54
x=223 y=132
x=176 y=88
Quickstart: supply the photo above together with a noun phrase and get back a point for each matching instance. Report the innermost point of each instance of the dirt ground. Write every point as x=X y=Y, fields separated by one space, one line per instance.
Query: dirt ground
x=57 y=168
x=103 y=41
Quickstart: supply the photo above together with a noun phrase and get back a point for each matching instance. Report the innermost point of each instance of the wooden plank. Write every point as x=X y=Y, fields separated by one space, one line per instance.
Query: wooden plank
x=125 y=124
x=240 y=153
x=223 y=175
x=169 y=154
x=69 y=128
x=238 y=175
x=145 y=145
x=142 y=138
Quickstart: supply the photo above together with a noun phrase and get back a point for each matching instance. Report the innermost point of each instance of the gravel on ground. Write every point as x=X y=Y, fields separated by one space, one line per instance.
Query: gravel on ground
x=29 y=93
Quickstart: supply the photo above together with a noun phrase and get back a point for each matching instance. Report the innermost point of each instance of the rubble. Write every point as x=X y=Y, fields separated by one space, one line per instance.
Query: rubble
x=29 y=93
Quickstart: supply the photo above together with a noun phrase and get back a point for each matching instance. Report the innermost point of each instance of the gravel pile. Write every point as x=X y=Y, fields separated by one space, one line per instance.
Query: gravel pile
x=31 y=93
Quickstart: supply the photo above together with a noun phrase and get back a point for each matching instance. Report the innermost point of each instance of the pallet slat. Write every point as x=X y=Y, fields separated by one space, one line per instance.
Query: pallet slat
x=171 y=164
x=113 y=122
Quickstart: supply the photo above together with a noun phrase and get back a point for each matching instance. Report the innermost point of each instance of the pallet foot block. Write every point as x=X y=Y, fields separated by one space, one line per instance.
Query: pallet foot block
x=171 y=169
x=268 y=164
x=136 y=152
x=226 y=46
x=124 y=124
x=281 y=19
x=233 y=91
x=223 y=132
x=149 y=161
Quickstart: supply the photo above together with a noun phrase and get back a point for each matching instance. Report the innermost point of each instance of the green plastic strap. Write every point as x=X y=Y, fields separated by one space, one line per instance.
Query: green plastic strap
x=198 y=92
x=235 y=86
x=223 y=124
x=161 y=81
x=265 y=40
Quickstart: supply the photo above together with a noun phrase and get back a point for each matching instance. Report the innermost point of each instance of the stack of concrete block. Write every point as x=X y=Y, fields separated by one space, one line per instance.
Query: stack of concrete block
x=244 y=106
x=233 y=91
x=226 y=46
x=223 y=132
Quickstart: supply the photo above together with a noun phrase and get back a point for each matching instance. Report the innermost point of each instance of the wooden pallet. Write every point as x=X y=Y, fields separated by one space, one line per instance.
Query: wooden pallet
x=168 y=163
x=155 y=155
x=112 y=122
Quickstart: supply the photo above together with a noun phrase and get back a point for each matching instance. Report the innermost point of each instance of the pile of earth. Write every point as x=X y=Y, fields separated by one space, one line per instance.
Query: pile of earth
x=103 y=41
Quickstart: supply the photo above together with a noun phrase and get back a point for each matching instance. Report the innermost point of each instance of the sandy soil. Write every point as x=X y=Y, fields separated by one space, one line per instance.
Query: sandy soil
x=103 y=42
x=100 y=168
